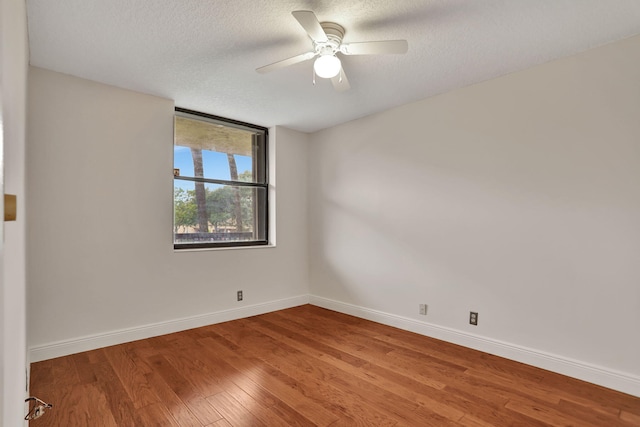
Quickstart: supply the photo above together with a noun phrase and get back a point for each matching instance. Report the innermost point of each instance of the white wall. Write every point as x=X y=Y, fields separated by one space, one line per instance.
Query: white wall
x=102 y=268
x=518 y=198
x=13 y=96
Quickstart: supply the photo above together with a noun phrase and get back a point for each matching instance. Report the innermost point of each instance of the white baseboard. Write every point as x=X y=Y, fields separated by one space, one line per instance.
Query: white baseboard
x=620 y=381
x=77 y=345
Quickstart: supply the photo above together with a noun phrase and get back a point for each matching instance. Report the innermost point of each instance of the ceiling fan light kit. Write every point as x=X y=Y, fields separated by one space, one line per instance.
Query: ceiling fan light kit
x=327 y=66
x=326 y=38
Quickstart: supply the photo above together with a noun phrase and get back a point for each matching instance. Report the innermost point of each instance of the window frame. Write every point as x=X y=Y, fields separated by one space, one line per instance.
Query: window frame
x=261 y=216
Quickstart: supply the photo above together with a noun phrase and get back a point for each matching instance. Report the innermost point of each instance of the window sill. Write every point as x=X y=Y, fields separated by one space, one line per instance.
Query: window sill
x=228 y=248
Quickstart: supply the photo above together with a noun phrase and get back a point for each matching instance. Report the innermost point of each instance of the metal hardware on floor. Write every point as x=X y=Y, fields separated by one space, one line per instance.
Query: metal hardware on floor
x=38 y=408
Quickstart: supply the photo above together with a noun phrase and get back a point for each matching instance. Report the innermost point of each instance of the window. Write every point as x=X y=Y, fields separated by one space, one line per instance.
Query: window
x=220 y=186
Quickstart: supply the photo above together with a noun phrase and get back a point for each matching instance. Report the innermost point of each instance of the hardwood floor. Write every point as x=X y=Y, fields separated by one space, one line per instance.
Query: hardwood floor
x=308 y=366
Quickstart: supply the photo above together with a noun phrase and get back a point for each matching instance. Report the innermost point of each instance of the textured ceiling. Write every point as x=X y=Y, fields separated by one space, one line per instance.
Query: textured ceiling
x=203 y=53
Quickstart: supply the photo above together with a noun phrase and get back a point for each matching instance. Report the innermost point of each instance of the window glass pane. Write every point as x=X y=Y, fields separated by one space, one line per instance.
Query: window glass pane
x=213 y=150
x=220 y=182
x=205 y=212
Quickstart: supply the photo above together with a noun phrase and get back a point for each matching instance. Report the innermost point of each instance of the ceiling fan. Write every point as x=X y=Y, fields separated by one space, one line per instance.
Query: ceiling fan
x=326 y=40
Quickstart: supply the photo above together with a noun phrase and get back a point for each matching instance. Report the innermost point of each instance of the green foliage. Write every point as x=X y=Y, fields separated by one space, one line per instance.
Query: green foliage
x=185 y=209
x=220 y=207
x=220 y=204
x=246 y=176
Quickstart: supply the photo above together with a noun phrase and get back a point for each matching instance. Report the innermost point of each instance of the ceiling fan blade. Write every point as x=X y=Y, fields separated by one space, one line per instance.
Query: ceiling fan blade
x=286 y=62
x=375 y=48
x=340 y=82
x=311 y=25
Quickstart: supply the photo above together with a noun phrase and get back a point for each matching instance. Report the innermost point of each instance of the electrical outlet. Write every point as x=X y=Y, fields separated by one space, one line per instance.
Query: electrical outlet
x=423 y=309
x=473 y=318
x=239 y=295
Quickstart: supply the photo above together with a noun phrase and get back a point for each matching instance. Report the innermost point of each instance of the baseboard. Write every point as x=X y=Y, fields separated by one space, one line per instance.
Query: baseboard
x=620 y=381
x=77 y=345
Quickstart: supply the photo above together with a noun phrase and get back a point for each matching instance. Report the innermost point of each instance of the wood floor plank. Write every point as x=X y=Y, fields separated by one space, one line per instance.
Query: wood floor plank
x=547 y=414
x=203 y=410
x=308 y=366
x=220 y=423
x=194 y=371
x=590 y=414
x=184 y=389
x=84 y=369
x=630 y=418
x=515 y=384
x=120 y=403
x=471 y=421
x=281 y=385
x=158 y=415
x=65 y=373
x=480 y=402
x=131 y=376
x=589 y=395
x=175 y=406
x=43 y=371
x=265 y=414
x=96 y=356
x=246 y=390
x=233 y=411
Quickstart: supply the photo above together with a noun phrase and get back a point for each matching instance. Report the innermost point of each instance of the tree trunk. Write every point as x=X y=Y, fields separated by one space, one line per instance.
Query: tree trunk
x=233 y=170
x=201 y=195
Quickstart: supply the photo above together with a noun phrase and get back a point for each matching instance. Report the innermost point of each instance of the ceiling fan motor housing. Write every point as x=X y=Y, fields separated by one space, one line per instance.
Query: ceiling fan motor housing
x=335 y=33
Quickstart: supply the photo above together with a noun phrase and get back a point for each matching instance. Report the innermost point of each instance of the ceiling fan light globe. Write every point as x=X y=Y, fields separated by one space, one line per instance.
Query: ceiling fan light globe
x=327 y=66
